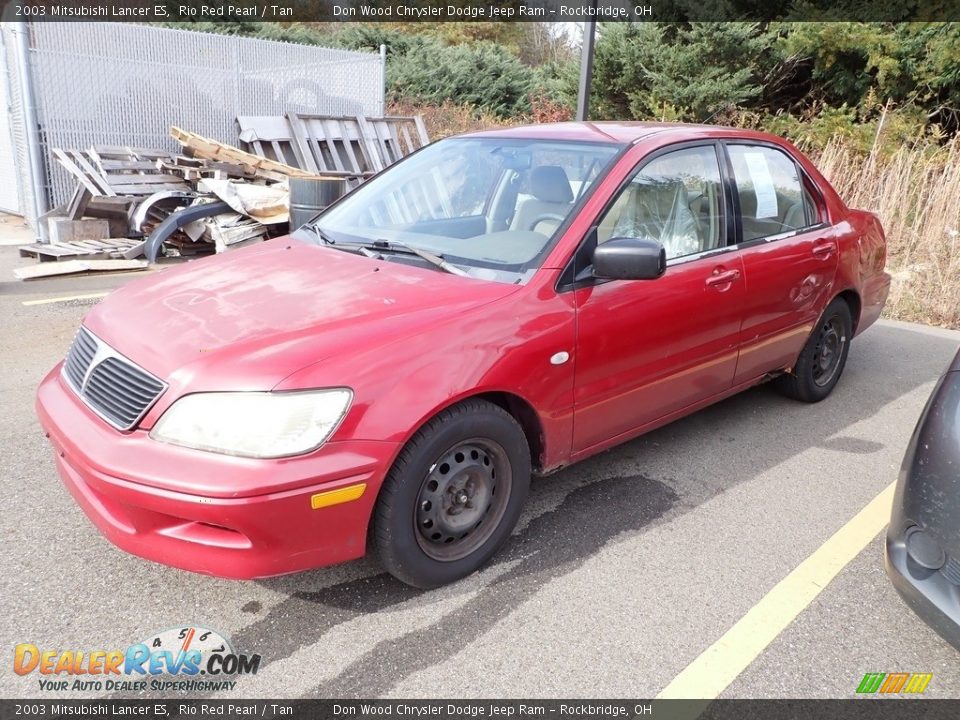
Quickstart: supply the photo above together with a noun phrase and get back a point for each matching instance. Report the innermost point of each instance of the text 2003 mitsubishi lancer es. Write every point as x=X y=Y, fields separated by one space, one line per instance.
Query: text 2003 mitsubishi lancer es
x=497 y=304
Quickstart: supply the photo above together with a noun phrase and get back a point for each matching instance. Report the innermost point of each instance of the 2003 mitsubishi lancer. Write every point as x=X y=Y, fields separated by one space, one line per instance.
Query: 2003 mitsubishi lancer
x=496 y=305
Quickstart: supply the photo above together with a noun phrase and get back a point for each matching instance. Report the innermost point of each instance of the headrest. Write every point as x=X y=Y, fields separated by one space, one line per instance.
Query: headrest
x=549 y=183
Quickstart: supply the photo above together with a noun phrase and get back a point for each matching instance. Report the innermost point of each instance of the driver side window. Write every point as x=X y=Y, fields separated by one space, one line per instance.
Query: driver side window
x=675 y=199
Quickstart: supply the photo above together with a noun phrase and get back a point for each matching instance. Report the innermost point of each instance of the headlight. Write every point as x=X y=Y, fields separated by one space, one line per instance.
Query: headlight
x=254 y=424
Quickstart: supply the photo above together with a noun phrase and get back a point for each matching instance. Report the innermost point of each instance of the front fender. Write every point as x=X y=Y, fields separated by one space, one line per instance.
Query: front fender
x=503 y=347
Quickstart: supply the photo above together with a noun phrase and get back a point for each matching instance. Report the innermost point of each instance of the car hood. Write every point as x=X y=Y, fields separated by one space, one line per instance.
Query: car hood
x=249 y=318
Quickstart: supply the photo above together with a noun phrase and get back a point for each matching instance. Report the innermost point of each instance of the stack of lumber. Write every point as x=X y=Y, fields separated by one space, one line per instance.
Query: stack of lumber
x=123 y=194
x=130 y=201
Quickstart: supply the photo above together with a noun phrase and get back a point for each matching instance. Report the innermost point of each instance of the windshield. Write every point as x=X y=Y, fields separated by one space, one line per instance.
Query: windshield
x=488 y=206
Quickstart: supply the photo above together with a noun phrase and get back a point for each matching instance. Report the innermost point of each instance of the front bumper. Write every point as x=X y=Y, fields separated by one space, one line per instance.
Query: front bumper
x=929 y=594
x=927 y=501
x=230 y=517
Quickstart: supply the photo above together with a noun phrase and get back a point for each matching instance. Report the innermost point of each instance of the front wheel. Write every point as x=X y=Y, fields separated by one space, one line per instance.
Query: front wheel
x=823 y=358
x=453 y=495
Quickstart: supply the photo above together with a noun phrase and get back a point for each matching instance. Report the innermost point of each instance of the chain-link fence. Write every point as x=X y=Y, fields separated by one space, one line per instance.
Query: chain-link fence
x=125 y=84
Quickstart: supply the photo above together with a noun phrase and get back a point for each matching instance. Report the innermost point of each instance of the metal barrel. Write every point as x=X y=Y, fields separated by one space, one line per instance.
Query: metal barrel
x=308 y=196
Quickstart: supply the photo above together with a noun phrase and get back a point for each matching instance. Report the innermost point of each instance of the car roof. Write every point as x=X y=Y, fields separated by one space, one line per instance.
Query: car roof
x=622 y=133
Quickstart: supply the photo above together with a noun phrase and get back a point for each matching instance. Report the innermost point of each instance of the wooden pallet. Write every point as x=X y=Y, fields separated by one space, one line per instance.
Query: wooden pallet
x=108 y=171
x=333 y=145
x=129 y=171
x=108 y=248
x=221 y=152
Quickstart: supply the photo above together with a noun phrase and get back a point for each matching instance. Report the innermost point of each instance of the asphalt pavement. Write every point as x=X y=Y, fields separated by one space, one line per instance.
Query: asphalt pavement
x=623 y=570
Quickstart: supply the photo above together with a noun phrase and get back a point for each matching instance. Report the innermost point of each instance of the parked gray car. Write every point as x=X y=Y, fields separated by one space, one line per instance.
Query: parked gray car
x=923 y=540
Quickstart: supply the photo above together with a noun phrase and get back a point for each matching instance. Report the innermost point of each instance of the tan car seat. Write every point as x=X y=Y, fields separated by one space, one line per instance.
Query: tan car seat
x=552 y=195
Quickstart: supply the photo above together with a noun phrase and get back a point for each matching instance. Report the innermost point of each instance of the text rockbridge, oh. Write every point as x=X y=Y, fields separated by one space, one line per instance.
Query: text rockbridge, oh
x=490 y=12
x=489 y=709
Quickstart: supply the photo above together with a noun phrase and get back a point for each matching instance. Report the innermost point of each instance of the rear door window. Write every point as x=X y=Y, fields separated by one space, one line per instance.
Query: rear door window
x=773 y=200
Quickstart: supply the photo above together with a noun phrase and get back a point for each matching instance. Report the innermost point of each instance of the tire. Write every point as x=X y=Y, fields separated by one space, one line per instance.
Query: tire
x=438 y=517
x=823 y=358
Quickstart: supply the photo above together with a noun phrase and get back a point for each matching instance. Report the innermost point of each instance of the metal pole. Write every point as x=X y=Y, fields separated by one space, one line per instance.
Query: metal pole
x=586 y=68
x=38 y=175
x=383 y=74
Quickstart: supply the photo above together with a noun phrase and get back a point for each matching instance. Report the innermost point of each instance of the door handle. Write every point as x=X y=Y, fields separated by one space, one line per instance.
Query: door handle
x=722 y=277
x=824 y=250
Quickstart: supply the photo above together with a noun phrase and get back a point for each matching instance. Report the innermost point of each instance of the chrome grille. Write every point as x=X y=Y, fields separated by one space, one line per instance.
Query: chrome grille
x=951 y=571
x=112 y=386
x=79 y=358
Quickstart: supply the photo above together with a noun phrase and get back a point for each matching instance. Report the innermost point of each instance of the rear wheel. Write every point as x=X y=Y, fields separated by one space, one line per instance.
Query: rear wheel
x=453 y=495
x=821 y=362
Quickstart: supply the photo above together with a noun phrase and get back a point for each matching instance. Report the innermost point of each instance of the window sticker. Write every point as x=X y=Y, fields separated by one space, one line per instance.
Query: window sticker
x=763 y=185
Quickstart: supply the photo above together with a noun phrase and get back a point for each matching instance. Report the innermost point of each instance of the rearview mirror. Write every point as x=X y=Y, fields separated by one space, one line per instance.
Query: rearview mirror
x=629 y=259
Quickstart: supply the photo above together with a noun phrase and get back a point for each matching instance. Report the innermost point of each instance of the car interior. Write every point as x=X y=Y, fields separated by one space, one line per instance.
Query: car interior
x=549 y=202
x=788 y=205
x=675 y=200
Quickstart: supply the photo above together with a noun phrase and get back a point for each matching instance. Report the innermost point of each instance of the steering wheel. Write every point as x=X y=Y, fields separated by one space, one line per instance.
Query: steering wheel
x=545 y=216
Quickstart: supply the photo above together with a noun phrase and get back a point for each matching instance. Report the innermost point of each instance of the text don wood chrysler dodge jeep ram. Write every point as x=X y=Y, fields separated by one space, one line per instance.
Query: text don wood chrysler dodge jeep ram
x=496 y=304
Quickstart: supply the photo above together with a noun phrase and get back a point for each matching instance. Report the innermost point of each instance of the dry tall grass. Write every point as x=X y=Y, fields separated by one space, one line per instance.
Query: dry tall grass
x=916 y=192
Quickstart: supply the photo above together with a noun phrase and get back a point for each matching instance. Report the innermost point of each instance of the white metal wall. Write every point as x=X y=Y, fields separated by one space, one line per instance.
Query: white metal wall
x=9 y=180
x=125 y=84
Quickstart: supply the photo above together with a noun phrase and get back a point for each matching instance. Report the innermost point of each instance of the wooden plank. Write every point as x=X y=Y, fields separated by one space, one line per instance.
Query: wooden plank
x=70 y=267
x=421 y=130
x=118 y=207
x=391 y=128
x=80 y=175
x=308 y=160
x=91 y=171
x=318 y=144
x=134 y=251
x=331 y=143
x=142 y=179
x=117 y=152
x=85 y=245
x=146 y=188
x=78 y=202
x=119 y=242
x=348 y=145
x=382 y=144
x=405 y=131
x=213 y=150
x=38 y=249
x=372 y=149
x=131 y=165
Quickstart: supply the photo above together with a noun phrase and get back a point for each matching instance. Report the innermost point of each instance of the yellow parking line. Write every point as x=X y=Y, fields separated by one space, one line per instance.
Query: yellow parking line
x=719 y=665
x=47 y=301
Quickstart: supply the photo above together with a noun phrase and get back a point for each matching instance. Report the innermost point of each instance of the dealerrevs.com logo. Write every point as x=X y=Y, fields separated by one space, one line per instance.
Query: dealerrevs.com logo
x=185 y=659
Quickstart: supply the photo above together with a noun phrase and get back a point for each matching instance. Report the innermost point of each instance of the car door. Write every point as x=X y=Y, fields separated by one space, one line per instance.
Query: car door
x=649 y=348
x=789 y=256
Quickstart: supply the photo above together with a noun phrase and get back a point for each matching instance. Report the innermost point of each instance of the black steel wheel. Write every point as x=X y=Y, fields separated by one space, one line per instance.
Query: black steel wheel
x=823 y=358
x=832 y=338
x=453 y=495
x=458 y=506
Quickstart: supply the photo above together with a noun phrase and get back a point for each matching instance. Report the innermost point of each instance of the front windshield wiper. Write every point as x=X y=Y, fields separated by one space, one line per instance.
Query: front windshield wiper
x=321 y=235
x=436 y=260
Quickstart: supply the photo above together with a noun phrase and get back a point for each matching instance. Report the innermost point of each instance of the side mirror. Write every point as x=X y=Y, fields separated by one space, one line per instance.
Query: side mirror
x=629 y=259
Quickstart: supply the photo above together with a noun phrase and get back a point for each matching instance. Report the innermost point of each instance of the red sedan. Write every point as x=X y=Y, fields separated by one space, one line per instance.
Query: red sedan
x=498 y=304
